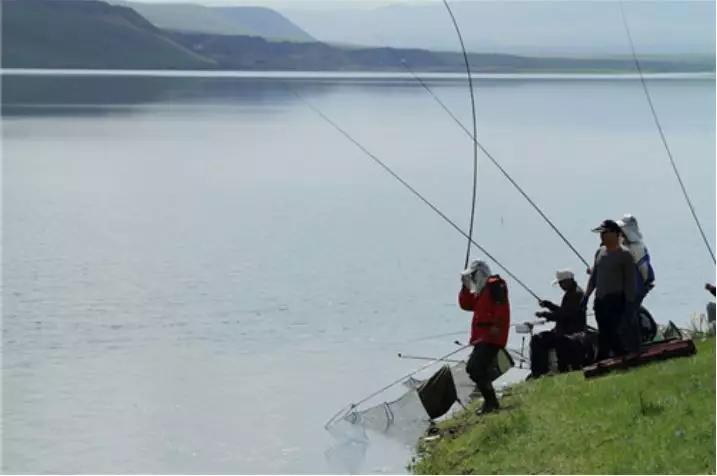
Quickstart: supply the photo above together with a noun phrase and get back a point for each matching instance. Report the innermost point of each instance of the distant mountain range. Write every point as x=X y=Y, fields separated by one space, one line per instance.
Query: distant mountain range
x=245 y=21
x=573 y=28
x=93 y=34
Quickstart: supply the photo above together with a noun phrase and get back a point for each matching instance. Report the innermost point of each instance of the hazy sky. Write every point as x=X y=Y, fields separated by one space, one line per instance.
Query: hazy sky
x=368 y=3
x=534 y=27
x=293 y=3
x=330 y=4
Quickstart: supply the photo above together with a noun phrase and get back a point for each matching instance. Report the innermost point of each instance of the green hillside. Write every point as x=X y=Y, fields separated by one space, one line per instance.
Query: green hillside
x=86 y=34
x=656 y=419
x=246 y=21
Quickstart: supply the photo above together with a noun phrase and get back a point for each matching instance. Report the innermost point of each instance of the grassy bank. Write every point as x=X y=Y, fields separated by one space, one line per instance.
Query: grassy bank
x=659 y=418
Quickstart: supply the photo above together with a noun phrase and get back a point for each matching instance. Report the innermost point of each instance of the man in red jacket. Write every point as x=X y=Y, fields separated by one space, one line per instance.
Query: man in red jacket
x=485 y=295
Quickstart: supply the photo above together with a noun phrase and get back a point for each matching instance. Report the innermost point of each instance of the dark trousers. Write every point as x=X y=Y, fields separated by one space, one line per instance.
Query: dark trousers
x=630 y=330
x=619 y=332
x=568 y=348
x=478 y=366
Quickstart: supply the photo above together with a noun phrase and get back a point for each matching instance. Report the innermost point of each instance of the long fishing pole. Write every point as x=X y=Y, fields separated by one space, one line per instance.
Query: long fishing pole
x=494 y=161
x=420 y=357
x=433 y=207
x=396 y=382
x=517 y=354
x=434 y=337
x=475 y=133
x=462 y=332
x=485 y=151
x=662 y=133
x=514 y=353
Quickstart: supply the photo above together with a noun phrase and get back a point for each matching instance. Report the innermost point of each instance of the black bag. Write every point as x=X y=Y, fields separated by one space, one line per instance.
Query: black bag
x=500 y=365
x=438 y=393
x=648 y=326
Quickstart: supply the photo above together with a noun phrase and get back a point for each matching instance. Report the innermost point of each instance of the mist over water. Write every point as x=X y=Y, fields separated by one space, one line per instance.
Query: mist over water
x=199 y=272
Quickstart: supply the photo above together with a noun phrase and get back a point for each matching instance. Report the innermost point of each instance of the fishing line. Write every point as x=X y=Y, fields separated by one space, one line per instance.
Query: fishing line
x=485 y=151
x=474 y=197
x=662 y=133
x=496 y=163
x=411 y=189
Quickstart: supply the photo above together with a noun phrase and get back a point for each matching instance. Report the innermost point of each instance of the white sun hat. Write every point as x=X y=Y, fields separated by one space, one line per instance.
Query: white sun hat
x=479 y=272
x=563 y=274
x=628 y=225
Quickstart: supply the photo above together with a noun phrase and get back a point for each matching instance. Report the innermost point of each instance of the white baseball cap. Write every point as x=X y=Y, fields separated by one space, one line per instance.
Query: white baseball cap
x=563 y=274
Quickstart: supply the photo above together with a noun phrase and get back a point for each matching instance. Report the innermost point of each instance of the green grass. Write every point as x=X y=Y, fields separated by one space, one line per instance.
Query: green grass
x=659 y=418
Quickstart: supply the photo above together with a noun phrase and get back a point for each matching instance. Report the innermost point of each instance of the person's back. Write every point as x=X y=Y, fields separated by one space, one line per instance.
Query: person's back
x=633 y=241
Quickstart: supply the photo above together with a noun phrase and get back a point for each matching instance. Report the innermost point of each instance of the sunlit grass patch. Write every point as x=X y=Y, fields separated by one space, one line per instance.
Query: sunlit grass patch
x=659 y=418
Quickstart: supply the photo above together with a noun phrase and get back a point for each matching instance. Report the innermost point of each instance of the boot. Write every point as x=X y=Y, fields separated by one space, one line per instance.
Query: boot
x=490 y=401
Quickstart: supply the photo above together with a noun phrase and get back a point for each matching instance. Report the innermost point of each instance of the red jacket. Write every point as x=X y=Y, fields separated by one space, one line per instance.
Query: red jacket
x=491 y=318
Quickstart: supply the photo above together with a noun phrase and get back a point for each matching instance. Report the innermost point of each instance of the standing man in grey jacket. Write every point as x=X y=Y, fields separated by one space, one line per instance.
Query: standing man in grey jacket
x=614 y=281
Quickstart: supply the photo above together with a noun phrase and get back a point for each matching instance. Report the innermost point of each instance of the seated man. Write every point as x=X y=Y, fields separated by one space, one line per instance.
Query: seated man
x=568 y=334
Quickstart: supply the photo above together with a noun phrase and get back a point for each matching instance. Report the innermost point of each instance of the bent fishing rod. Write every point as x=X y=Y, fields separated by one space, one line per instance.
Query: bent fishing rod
x=474 y=196
x=477 y=144
x=638 y=66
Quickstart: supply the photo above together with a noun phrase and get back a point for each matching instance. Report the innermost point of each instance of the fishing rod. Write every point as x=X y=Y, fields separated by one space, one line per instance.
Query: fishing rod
x=496 y=163
x=515 y=353
x=433 y=207
x=475 y=133
x=462 y=332
x=490 y=156
x=434 y=336
x=395 y=382
x=661 y=132
x=418 y=357
x=522 y=358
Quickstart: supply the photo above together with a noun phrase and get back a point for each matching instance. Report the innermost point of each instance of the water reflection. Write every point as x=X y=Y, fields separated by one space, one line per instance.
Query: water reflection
x=71 y=95
x=31 y=94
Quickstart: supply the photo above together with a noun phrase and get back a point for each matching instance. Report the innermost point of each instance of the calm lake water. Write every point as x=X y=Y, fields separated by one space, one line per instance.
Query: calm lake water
x=198 y=272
